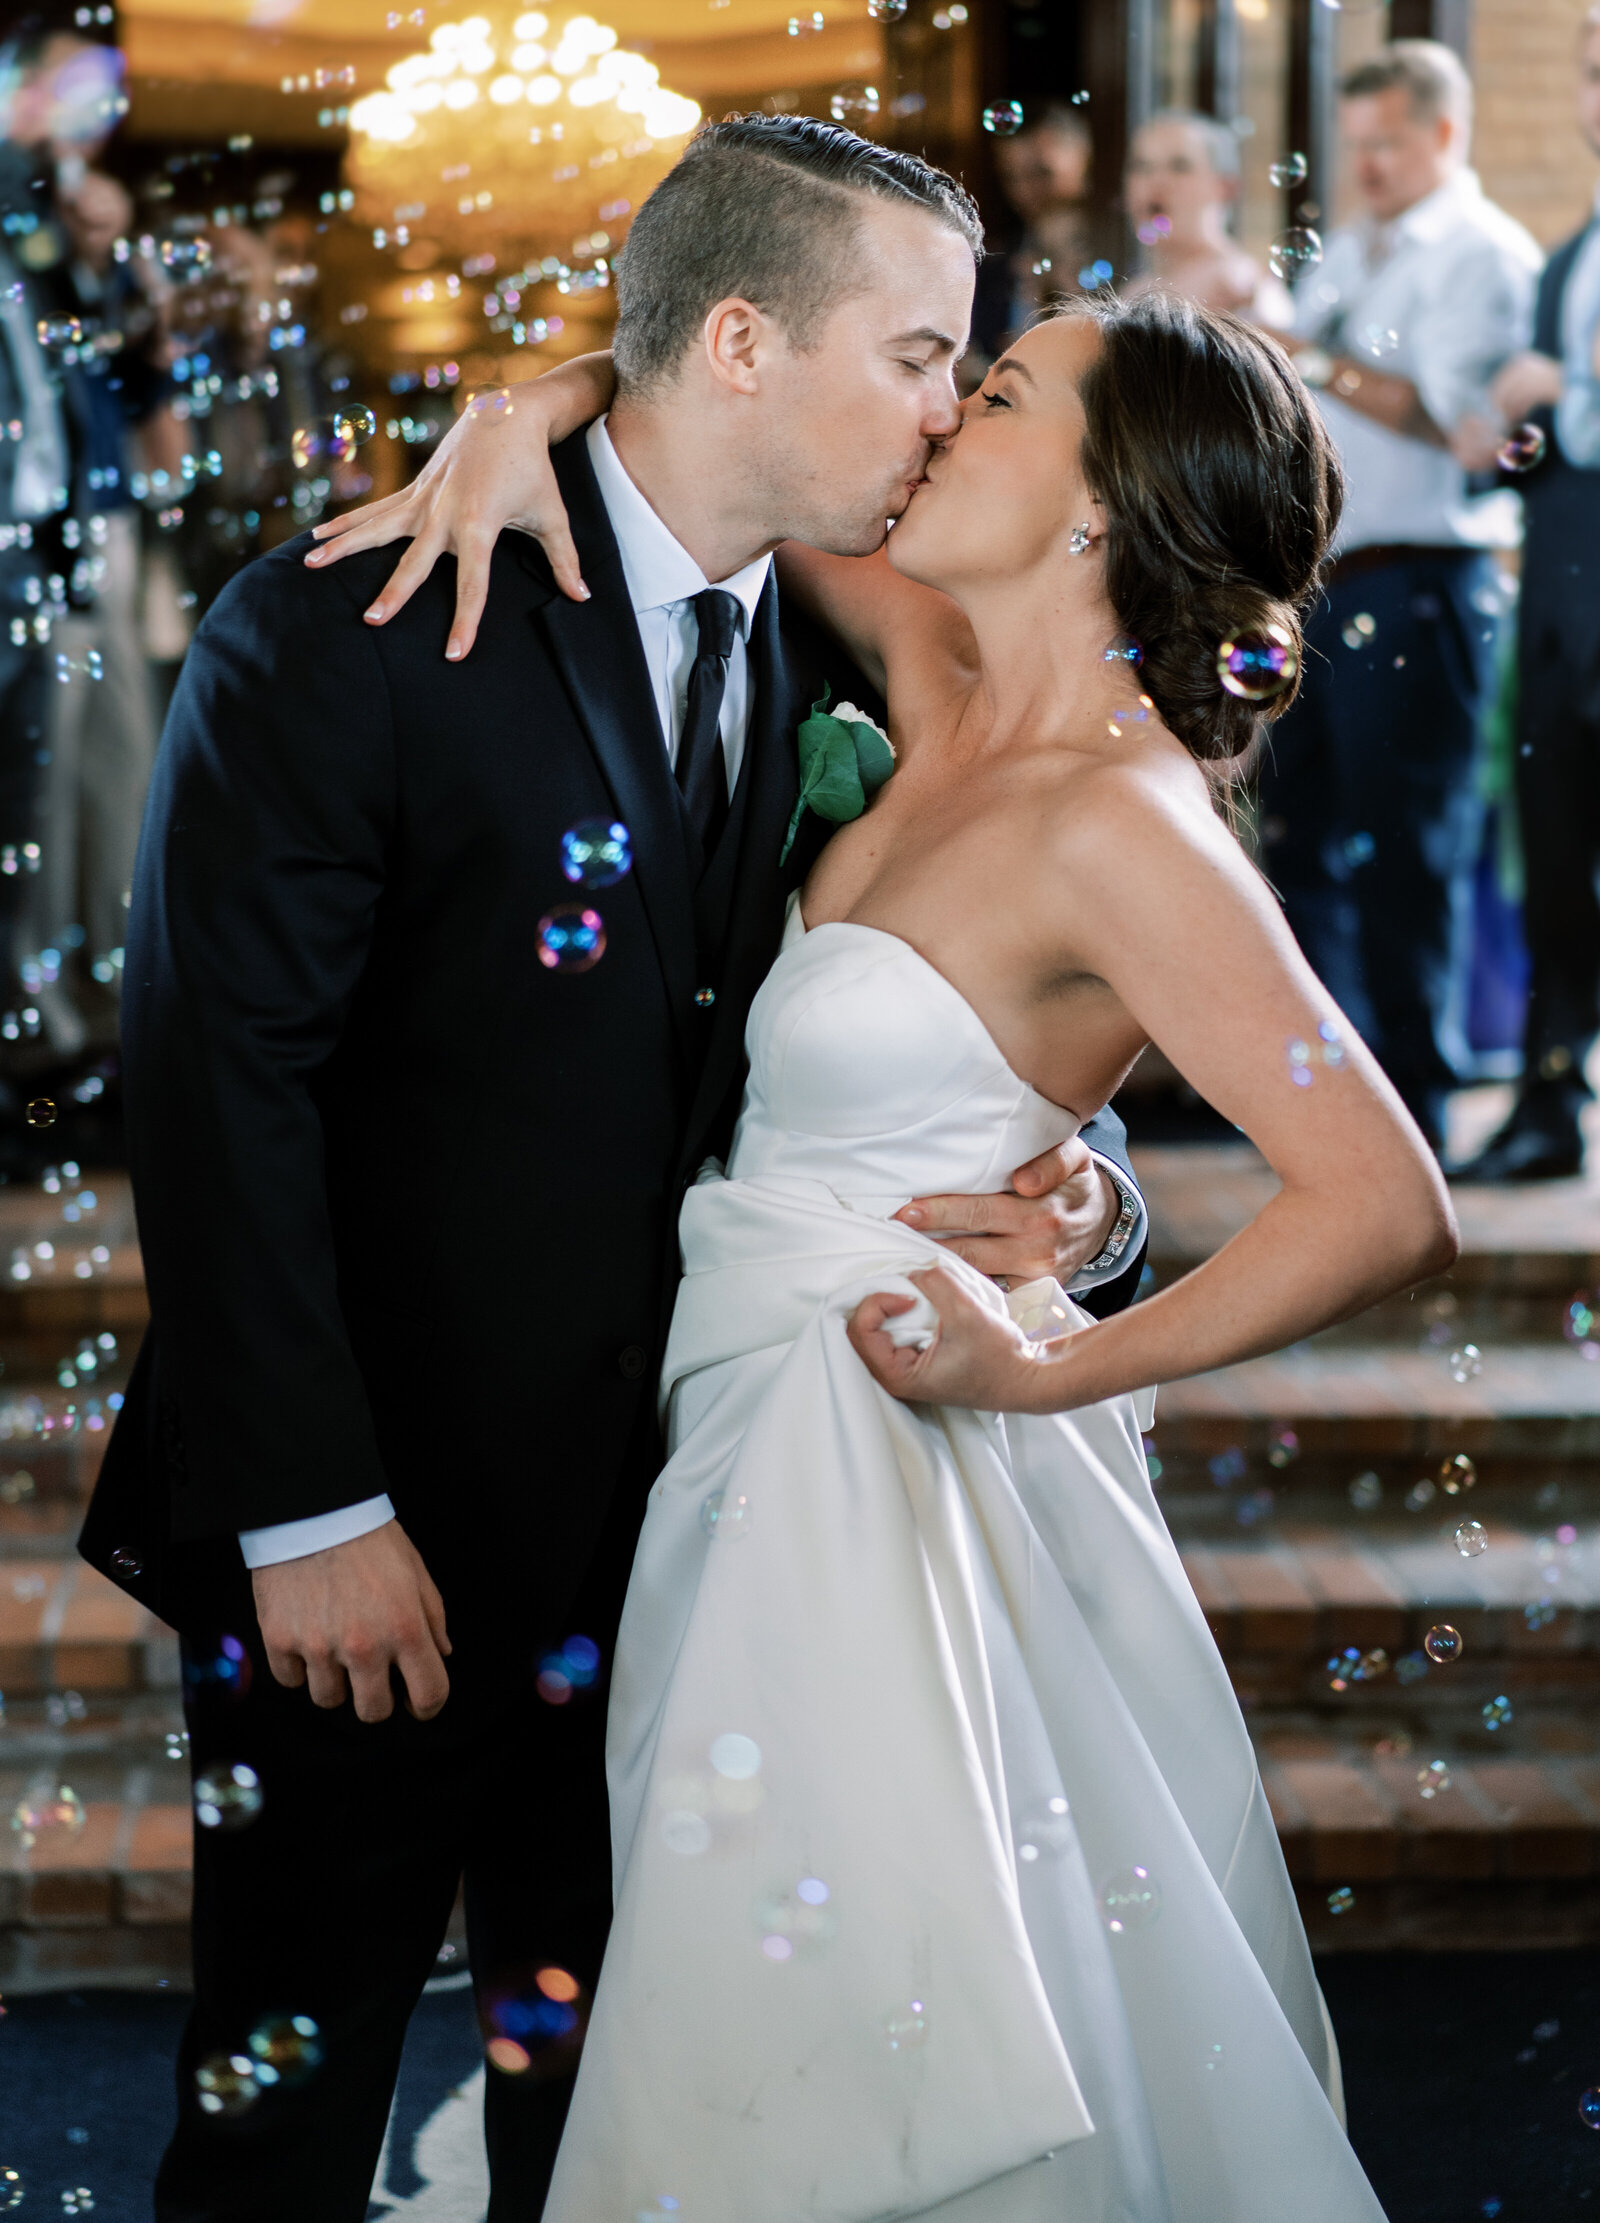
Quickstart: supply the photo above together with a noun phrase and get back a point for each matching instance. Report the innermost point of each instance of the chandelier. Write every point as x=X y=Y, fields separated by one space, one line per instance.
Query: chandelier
x=525 y=133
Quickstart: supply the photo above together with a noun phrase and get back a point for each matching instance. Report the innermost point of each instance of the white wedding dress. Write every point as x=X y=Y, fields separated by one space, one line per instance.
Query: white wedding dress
x=945 y=1881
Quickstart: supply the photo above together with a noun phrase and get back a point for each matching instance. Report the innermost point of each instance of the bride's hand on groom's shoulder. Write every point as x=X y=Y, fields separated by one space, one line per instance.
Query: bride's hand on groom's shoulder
x=975 y=1357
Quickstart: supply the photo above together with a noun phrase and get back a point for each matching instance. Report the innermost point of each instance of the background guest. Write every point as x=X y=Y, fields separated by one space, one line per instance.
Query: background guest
x=1556 y=383
x=1180 y=189
x=1370 y=817
x=1044 y=175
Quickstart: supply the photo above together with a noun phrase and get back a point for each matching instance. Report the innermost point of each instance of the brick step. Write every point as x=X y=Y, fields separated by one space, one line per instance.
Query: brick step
x=65 y=1627
x=69 y=1264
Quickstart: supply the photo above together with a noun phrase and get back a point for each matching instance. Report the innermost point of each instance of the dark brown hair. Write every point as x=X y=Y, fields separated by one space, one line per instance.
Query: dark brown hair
x=1221 y=490
x=768 y=208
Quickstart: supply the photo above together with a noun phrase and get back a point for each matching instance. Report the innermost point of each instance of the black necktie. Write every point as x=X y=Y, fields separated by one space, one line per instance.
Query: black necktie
x=702 y=771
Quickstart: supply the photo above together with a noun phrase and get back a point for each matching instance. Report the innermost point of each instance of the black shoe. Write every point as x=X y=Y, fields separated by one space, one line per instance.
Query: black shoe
x=1526 y=1151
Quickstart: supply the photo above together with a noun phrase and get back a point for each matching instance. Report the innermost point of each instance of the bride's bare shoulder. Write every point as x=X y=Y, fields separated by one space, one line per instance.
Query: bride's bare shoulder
x=1115 y=810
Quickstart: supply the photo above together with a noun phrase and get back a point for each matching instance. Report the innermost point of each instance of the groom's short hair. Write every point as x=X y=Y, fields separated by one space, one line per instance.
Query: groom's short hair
x=767 y=208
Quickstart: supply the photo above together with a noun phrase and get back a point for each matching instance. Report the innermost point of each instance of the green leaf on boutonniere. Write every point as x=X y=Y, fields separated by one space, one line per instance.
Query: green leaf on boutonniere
x=845 y=757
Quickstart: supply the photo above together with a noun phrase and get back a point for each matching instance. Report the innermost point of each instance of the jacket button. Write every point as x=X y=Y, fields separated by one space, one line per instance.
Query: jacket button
x=705 y=998
x=630 y=1362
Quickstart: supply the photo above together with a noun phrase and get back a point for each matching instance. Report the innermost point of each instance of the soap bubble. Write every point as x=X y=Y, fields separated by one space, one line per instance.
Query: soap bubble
x=797 y=1920
x=1227 y=1466
x=1580 y=1323
x=534 y=2023
x=1343 y=1668
x=186 y=258
x=1365 y=1492
x=1291 y=169
x=1457 y=1474
x=1442 y=1644
x=596 y=853
x=573 y=1668
x=1004 y=119
x=1589 y=2107
x=1466 y=1364
x=1124 y=649
x=57 y=1813
x=1410 y=1668
x=1284 y=1448
x=127 y=1564
x=226 y=1669
x=11 y=2190
x=1433 y=1779
x=1497 y=1713
x=1420 y=1494
x=1521 y=449
x=355 y=426
x=907 y=2028
x=59 y=331
x=855 y=105
x=1296 y=250
x=1471 y=1539
x=1152 y=229
x=726 y=1519
x=490 y=404
x=572 y=938
x=1342 y=1900
x=227 y=2084
x=1257 y=666
x=736 y=1757
x=42 y=1112
x=887 y=11
x=1539 y=1613
x=227 y=1796
x=1379 y=340
x=1131 y=1900
x=286 y=2049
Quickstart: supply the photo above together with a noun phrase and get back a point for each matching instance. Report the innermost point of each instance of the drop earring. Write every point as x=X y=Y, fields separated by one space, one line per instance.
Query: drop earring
x=1079 y=542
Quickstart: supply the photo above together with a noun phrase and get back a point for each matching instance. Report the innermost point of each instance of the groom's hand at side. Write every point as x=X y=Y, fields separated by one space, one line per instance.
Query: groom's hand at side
x=339 y=1620
x=1060 y=1215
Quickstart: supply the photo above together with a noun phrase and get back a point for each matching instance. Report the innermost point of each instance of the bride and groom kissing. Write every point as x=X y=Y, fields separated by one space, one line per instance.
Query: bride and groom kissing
x=925 y=1854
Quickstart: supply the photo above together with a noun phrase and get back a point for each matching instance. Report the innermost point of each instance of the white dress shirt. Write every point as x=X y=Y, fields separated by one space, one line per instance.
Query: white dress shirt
x=662 y=580
x=1441 y=295
x=1578 y=413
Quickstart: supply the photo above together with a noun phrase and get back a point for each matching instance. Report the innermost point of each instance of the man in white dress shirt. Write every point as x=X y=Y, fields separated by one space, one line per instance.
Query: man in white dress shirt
x=1556 y=383
x=1370 y=817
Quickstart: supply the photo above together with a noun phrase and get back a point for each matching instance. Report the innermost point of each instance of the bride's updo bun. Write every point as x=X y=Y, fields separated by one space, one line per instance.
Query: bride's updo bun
x=1221 y=490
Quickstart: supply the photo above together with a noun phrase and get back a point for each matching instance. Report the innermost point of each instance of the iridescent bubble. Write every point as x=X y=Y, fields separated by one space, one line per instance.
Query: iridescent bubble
x=1589 y=2107
x=596 y=853
x=1471 y=1539
x=534 y=2023
x=1442 y=1644
x=1410 y=1667
x=186 y=258
x=572 y=938
x=1539 y=1613
x=1420 y=1494
x=1341 y=1900
x=1289 y=170
x=1379 y=340
x=127 y=1564
x=304 y=446
x=793 y=1922
x=55 y=1812
x=41 y=1112
x=1257 y=666
x=1123 y=650
x=1294 y=251
x=1227 y=1466
x=725 y=1519
x=226 y=1669
x=1521 y=449
x=227 y=2084
x=1004 y=119
x=1284 y=1448
x=286 y=2049
x=1433 y=1779
x=887 y=11
x=1365 y=1492
x=736 y=1757
x=1344 y=1668
x=1130 y=1900
x=1497 y=1713
x=355 y=426
x=1213 y=2057
x=1152 y=229
x=11 y=2190
x=855 y=105
x=1466 y=1363
x=1580 y=1323
x=227 y=1796
x=1457 y=1474
x=490 y=404
x=907 y=2027
x=59 y=331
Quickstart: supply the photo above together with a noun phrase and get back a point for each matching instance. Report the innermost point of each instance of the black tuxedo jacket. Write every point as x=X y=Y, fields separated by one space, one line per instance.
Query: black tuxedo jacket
x=407 y=1198
x=1560 y=604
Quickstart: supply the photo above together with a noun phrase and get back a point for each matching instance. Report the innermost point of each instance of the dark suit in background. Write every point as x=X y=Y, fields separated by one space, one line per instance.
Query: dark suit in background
x=408 y=1203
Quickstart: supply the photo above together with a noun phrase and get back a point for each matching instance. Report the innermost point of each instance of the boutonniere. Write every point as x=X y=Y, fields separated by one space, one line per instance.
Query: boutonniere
x=845 y=757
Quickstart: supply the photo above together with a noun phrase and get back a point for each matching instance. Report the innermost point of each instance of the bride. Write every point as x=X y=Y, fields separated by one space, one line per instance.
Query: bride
x=945 y=1883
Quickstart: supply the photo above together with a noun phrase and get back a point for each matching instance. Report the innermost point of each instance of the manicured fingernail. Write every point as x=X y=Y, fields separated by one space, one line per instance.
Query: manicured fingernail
x=315 y=556
x=454 y=652
x=913 y=1215
x=583 y=592
x=377 y=614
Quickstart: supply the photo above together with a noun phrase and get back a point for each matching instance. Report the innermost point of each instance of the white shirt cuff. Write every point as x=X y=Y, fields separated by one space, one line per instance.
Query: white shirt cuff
x=270 y=1547
x=1087 y=1276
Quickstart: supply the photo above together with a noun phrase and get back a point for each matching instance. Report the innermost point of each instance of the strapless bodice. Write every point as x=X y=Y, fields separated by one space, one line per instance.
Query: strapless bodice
x=870 y=1072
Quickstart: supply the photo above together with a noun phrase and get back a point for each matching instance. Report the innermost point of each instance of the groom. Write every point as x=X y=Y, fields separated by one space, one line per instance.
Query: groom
x=408 y=1191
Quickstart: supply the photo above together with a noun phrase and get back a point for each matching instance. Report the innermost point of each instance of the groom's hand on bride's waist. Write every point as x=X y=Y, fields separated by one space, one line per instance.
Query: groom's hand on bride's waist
x=340 y=1620
x=1060 y=1215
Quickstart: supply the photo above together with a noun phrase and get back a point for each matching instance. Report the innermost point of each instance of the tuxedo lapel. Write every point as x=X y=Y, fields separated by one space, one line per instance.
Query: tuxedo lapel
x=596 y=649
x=756 y=916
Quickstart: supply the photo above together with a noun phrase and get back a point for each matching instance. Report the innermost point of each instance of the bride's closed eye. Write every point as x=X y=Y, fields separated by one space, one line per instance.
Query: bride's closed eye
x=995 y=401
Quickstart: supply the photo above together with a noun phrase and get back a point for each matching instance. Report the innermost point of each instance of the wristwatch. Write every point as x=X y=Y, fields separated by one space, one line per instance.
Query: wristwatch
x=1126 y=1221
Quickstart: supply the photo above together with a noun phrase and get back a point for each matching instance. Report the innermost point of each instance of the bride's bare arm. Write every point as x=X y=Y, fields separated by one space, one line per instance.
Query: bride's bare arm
x=491 y=471
x=904 y=636
x=1158 y=900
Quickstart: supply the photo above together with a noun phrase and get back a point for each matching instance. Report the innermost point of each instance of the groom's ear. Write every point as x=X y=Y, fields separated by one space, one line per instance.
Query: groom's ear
x=737 y=337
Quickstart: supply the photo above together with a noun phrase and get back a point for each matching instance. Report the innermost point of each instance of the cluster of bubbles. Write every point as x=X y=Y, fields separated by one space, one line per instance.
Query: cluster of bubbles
x=1360 y=630
x=595 y=853
x=282 y=2050
x=573 y=1668
x=1352 y=1665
